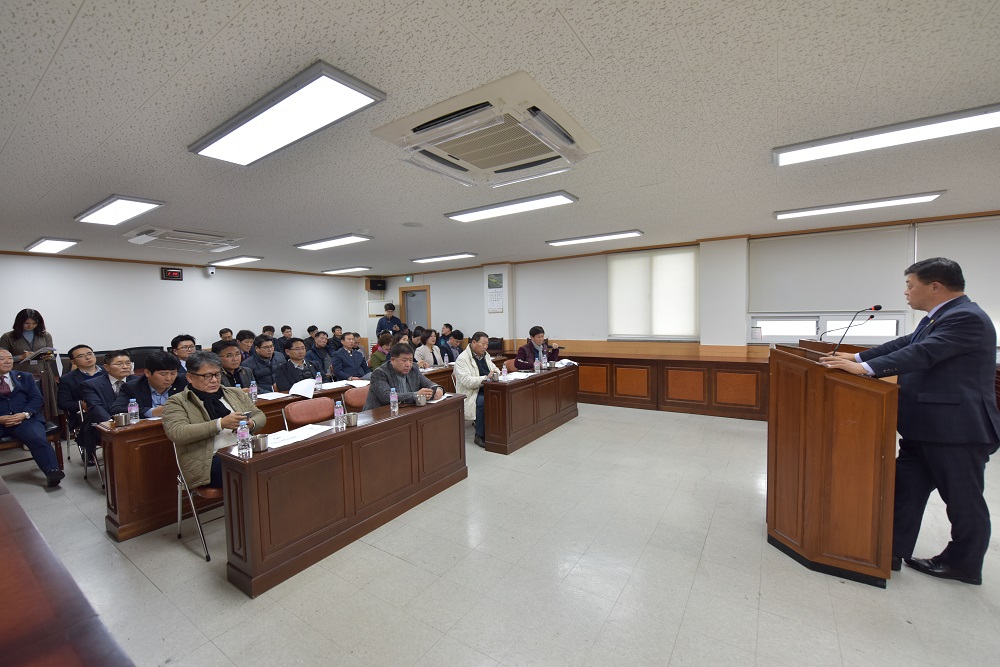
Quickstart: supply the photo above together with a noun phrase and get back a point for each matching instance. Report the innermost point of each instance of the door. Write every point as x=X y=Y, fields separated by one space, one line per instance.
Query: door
x=416 y=305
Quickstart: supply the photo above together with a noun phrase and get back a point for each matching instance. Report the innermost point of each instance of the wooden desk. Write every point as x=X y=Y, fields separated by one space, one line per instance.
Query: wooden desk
x=520 y=411
x=44 y=617
x=142 y=473
x=290 y=507
x=705 y=385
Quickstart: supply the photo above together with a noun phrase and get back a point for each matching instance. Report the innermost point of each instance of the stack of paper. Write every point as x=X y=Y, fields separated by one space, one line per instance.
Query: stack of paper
x=282 y=438
x=270 y=396
x=518 y=375
x=563 y=363
x=358 y=383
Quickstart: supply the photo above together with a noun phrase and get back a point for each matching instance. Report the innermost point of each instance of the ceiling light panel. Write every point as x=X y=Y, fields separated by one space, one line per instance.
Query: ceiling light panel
x=233 y=261
x=310 y=101
x=116 y=209
x=858 y=205
x=934 y=127
x=51 y=246
x=444 y=258
x=350 y=269
x=613 y=236
x=547 y=200
x=345 y=239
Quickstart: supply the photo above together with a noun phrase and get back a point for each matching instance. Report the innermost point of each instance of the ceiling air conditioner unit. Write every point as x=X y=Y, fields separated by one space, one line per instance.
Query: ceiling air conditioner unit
x=504 y=132
x=176 y=239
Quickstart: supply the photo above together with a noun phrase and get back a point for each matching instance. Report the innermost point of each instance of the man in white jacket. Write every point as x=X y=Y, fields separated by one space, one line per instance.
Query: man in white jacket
x=473 y=367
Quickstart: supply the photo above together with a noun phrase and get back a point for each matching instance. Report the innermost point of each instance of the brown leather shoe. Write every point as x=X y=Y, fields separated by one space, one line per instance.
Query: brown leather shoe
x=935 y=567
x=480 y=442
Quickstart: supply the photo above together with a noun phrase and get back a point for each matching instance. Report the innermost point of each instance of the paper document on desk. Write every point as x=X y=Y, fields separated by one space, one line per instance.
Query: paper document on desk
x=563 y=363
x=270 y=396
x=358 y=383
x=336 y=385
x=518 y=375
x=304 y=388
x=282 y=438
x=440 y=399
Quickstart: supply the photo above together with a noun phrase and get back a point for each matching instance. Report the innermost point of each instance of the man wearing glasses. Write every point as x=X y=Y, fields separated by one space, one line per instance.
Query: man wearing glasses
x=233 y=374
x=70 y=392
x=100 y=393
x=296 y=367
x=263 y=361
x=182 y=346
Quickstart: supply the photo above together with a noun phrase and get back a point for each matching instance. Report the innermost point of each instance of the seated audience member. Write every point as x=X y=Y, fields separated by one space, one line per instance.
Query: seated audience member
x=416 y=335
x=70 y=394
x=296 y=367
x=151 y=392
x=245 y=339
x=21 y=417
x=310 y=339
x=401 y=374
x=320 y=355
x=429 y=352
x=225 y=334
x=197 y=438
x=402 y=337
x=446 y=330
x=380 y=355
x=532 y=350
x=357 y=343
x=454 y=346
x=100 y=394
x=267 y=330
x=336 y=341
x=282 y=341
x=263 y=361
x=389 y=323
x=349 y=362
x=473 y=367
x=182 y=346
x=233 y=374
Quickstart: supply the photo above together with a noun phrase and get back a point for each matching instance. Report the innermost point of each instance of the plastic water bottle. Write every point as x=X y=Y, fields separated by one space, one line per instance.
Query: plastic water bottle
x=545 y=358
x=503 y=373
x=253 y=390
x=243 y=448
x=538 y=365
x=319 y=381
x=133 y=412
x=338 y=416
x=393 y=402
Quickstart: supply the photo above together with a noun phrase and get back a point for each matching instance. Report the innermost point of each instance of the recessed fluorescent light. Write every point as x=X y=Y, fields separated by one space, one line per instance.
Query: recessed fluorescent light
x=444 y=258
x=311 y=100
x=515 y=206
x=51 y=245
x=945 y=125
x=335 y=241
x=531 y=178
x=859 y=205
x=117 y=209
x=351 y=269
x=614 y=236
x=233 y=261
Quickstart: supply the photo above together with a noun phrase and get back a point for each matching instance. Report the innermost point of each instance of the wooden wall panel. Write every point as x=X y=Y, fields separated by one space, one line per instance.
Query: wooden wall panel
x=786 y=454
x=633 y=381
x=684 y=384
x=521 y=408
x=594 y=378
x=737 y=388
x=436 y=445
x=547 y=395
x=383 y=464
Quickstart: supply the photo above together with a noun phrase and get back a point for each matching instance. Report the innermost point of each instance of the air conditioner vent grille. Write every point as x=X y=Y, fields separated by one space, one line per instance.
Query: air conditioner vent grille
x=499 y=145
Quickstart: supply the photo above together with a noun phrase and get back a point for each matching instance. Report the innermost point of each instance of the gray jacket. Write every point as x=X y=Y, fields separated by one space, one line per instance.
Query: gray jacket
x=406 y=386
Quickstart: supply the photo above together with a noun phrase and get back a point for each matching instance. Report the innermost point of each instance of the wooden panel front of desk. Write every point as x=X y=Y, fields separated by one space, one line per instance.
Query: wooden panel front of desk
x=520 y=411
x=290 y=507
x=142 y=472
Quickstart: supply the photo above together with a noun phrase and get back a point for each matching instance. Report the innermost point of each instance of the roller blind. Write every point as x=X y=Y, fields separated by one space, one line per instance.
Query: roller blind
x=653 y=294
x=829 y=272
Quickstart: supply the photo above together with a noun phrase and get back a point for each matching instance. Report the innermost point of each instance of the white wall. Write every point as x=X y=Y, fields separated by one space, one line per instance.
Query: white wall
x=568 y=298
x=456 y=298
x=722 y=292
x=116 y=304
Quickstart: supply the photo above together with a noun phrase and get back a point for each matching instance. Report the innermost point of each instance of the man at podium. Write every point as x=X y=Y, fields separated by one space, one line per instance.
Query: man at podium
x=948 y=422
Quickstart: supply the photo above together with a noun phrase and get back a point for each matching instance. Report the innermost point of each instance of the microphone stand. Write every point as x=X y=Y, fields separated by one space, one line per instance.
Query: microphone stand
x=837 y=347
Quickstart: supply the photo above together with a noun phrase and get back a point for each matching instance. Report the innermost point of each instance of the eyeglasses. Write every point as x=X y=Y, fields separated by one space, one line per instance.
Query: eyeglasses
x=207 y=376
x=121 y=364
x=266 y=347
x=298 y=348
x=82 y=355
x=186 y=348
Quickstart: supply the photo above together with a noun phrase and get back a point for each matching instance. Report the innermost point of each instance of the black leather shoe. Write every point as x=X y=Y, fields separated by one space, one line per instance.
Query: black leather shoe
x=480 y=442
x=55 y=476
x=897 y=563
x=937 y=568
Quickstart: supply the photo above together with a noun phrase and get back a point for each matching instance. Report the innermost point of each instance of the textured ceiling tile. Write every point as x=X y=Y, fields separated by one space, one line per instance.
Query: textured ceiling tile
x=362 y=15
x=30 y=33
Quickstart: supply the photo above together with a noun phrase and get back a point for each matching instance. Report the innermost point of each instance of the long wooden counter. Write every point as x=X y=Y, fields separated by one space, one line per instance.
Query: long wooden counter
x=520 y=411
x=142 y=473
x=290 y=507
x=44 y=617
x=706 y=385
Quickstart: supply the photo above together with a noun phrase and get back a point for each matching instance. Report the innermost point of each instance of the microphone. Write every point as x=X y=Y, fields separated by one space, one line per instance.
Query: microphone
x=870 y=317
x=851 y=324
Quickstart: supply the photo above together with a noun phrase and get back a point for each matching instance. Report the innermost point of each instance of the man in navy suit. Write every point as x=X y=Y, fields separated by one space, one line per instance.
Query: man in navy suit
x=948 y=423
x=21 y=416
x=70 y=391
x=151 y=392
x=100 y=393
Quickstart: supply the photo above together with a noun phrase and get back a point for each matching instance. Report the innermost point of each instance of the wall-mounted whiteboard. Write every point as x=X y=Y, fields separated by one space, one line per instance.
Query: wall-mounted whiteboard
x=377 y=308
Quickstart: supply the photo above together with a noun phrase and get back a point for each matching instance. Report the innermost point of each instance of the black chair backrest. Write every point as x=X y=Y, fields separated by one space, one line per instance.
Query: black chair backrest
x=495 y=345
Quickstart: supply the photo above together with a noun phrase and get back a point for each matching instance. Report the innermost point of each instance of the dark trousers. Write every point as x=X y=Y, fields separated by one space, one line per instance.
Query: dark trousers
x=216 y=477
x=958 y=473
x=32 y=433
x=480 y=419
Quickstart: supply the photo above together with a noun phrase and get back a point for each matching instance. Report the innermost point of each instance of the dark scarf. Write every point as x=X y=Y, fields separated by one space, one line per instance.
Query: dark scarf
x=213 y=403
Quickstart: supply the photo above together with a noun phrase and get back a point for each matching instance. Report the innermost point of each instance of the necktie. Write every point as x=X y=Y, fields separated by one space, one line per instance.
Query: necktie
x=4 y=387
x=117 y=386
x=920 y=325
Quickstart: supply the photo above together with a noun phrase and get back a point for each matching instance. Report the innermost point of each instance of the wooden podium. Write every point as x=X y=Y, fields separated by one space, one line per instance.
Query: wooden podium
x=831 y=448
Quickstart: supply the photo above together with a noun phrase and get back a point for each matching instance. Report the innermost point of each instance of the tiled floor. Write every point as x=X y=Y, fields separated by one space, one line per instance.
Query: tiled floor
x=625 y=537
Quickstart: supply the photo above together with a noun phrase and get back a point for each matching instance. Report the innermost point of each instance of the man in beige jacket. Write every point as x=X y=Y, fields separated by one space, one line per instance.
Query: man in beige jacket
x=472 y=368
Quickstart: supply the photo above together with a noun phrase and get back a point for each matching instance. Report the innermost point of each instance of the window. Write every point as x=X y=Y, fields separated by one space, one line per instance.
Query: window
x=653 y=294
x=789 y=329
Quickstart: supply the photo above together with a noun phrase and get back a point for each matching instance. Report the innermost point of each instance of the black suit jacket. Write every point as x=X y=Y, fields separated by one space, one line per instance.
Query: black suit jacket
x=100 y=398
x=139 y=389
x=287 y=374
x=25 y=397
x=947 y=374
x=71 y=392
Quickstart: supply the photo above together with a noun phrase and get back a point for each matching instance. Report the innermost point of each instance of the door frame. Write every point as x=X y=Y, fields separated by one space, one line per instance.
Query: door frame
x=402 y=301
